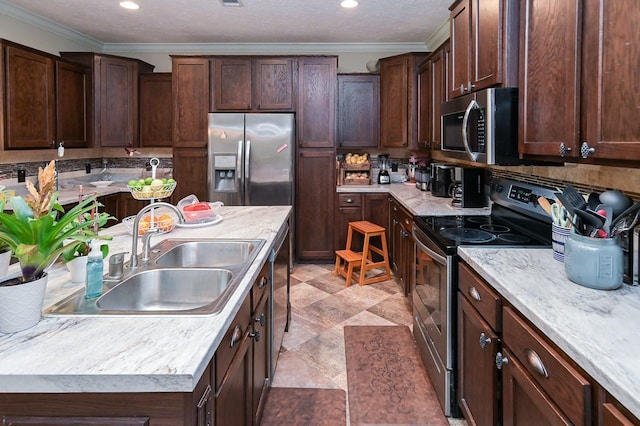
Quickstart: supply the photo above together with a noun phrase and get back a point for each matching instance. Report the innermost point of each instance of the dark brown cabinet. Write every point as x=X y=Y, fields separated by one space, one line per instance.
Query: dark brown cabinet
x=401 y=245
x=483 y=44
x=433 y=89
x=114 y=96
x=315 y=195
x=129 y=206
x=353 y=206
x=243 y=83
x=316 y=102
x=45 y=100
x=190 y=85
x=156 y=110
x=398 y=100
x=260 y=320
x=425 y=104
x=190 y=173
x=583 y=105
x=358 y=110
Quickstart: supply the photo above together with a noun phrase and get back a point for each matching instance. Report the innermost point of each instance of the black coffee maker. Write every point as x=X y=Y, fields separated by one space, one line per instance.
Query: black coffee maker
x=442 y=176
x=383 y=174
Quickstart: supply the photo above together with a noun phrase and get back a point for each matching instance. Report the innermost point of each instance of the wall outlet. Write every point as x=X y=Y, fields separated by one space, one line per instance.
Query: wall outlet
x=87 y=168
x=22 y=175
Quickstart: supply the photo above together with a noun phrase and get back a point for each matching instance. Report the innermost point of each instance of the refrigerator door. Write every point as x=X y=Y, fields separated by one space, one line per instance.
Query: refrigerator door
x=226 y=158
x=269 y=159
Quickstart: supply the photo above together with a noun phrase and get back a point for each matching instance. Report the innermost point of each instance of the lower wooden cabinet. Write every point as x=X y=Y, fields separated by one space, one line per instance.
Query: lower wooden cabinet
x=74 y=421
x=401 y=246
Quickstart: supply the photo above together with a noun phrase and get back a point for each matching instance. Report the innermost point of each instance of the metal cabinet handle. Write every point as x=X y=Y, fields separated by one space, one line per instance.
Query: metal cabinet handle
x=260 y=319
x=585 y=150
x=255 y=336
x=475 y=294
x=462 y=88
x=204 y=397
x=484 y=340
x=470 y=87
x=501 y=360
x=349 y=200
x=263 y=282
x=563 y=149
x=536 y=363
x=236 y=336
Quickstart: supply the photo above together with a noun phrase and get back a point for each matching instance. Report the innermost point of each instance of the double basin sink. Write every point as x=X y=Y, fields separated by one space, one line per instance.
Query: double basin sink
x=181 y=277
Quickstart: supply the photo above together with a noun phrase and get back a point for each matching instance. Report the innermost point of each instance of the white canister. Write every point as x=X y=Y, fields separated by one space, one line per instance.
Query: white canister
x=593 y=262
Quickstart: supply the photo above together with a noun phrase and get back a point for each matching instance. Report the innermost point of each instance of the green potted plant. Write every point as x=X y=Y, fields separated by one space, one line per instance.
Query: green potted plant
x=37 y=236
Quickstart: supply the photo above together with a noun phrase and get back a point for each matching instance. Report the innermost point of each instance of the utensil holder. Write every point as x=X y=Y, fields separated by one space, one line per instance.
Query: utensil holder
x=593 y=262
x=559 y=235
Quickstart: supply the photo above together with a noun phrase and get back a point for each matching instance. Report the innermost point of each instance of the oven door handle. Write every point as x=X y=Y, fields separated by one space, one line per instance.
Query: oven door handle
x=465 y=136
x=435 y=256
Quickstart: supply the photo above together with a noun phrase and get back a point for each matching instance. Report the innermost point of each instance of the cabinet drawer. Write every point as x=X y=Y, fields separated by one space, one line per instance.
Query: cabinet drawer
x=480 y=295
x=260 y=285
x=231 y=340
x=563 y=383
x=349 y=200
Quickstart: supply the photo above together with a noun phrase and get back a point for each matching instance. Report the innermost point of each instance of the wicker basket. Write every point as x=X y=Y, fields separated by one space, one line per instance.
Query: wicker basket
x=357 y=174
x=145 y=192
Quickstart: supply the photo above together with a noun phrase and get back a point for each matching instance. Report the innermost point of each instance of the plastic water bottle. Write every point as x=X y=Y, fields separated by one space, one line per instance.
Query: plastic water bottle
x=94 y=271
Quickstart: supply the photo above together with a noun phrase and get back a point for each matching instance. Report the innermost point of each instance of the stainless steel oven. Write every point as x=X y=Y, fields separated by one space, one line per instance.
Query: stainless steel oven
x=516 y=220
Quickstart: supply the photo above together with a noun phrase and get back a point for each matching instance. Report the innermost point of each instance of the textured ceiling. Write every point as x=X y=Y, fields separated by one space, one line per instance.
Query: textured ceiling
x=257 y=21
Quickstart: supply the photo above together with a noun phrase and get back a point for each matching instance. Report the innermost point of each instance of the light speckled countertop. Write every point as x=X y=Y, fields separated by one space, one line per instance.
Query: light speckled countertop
x=597 y=329
x=136 y=353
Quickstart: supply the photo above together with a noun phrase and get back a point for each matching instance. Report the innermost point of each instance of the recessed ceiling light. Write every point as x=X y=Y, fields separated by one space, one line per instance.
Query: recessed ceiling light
x=129 y=5
x=349 y=3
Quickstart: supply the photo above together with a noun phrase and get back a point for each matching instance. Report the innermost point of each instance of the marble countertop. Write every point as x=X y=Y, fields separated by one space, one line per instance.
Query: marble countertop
x=415 y=201
x=597 y=329
x=135 y=353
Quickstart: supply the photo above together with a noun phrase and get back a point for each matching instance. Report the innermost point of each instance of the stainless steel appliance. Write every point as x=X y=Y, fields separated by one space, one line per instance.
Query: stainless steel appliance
x=442 y=176
x=516 y=220
x=251 y=158
x=482 y=127
x=469 y=188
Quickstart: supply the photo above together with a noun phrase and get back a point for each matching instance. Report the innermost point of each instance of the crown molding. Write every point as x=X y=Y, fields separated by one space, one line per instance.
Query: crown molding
x=27 y=17
x=273 y=48
x=439 y=36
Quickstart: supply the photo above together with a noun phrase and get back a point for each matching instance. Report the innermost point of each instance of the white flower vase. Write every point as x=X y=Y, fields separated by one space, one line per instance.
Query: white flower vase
x=78 y=268
x=21 y=305
x=5 y=259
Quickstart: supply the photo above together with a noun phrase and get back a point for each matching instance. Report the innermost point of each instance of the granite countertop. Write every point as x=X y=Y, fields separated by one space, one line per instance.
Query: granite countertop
x=597 y=329
x=135 y=353
x=415 y=201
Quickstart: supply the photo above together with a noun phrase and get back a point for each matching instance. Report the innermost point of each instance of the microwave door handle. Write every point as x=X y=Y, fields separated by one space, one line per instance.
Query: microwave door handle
x=465 y=136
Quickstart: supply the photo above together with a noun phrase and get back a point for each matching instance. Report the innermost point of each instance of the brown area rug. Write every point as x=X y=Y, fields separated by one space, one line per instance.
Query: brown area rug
x=305 y=407
x=388 y=383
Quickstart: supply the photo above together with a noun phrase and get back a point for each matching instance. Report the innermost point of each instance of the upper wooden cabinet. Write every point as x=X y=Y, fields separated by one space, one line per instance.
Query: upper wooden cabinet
x=433 y=89
x=156 y=112
x=580 y=100
x=358 y=110
x=245 y=83
x=398 y=100
x=115 y=96
x=484 y=45
x=316 y=101
x=44 y=98
x=190 y=85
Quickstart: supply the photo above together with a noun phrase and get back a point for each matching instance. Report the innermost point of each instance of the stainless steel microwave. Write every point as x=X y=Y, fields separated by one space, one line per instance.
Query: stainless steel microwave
x=482 y=127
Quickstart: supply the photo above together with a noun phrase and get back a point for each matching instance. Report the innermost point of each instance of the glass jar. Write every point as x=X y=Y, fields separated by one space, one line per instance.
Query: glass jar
x=593 y=262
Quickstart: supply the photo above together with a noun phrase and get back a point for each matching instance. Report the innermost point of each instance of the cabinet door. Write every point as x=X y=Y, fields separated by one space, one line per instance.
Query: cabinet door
x=273 y=84
x=486 y=43
x=190 y=173
x=202 y=401
x=343 y=217
x=261 y=319
x=358 y=111
x=315 y=192
x=111 y=205
x=232 y=84
x=612 y=416
x=460 y=48
x=30 y=99
x=190 y=85
x=611 y=88
x=477 y=373
x=234 y=398
x=72 y=105
x=316 y=102
x=549 y=78
x=524 y=403
x=375 y=209
x=425 y=104
x=394 y=102
x=117 y=115
x=129 y=206
x=440 y=92
x=156 y=113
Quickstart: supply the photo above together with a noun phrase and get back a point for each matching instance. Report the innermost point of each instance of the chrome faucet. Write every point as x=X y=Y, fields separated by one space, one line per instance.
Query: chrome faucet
x=133 y=262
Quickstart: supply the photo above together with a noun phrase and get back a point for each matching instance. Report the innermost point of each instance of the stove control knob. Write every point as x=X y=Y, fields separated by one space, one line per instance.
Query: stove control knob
x=498 y=187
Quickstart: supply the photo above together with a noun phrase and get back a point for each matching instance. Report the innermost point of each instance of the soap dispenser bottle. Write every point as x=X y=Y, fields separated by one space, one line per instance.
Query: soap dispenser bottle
x=94 y=271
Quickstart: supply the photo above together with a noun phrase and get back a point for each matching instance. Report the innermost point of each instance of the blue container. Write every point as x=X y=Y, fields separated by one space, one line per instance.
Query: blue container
x=593 y=262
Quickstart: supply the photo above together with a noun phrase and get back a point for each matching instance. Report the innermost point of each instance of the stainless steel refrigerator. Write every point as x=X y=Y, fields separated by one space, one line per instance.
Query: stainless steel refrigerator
x=251 y=158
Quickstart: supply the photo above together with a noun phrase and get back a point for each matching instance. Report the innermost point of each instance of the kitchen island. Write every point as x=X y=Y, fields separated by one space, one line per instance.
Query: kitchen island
x=100 y=354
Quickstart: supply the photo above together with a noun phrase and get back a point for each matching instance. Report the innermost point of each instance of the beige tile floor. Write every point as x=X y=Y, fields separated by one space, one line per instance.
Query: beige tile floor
x=313 y=350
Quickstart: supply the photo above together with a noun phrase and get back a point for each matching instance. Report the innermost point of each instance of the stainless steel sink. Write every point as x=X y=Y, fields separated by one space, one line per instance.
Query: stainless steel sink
x=167 y=290
x=182 y=277
x=205 y=254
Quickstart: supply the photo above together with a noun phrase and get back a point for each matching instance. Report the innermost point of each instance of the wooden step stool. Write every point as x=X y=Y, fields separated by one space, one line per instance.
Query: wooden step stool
x=351 y=258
